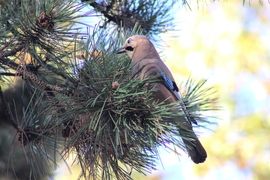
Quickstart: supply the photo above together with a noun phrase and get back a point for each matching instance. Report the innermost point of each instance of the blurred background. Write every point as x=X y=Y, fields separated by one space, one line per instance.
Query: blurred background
x=227 y=43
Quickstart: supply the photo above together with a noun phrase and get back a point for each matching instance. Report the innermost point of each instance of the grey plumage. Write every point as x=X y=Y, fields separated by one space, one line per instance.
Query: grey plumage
x=146 y=62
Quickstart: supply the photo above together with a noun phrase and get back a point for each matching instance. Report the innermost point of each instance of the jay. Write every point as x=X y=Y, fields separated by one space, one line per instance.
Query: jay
x=147 y=63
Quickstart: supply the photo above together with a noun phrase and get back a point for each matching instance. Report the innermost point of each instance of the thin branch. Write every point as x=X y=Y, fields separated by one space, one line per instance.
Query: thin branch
x=105 y=12
x=11 y=52
x=6 y=45
x=7 y=74
x=33 y=77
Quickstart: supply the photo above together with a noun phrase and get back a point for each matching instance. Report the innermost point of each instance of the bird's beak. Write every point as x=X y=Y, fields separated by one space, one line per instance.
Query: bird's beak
x=121 y=50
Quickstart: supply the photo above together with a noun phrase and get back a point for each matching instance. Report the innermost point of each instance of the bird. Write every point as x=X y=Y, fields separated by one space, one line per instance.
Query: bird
x=146 y=62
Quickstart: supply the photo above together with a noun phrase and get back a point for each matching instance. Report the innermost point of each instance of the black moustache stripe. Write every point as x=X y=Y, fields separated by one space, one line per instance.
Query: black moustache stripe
x=129 y=48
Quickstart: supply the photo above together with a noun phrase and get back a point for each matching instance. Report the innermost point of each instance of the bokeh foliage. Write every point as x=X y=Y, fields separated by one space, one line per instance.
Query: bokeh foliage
x=229 y=44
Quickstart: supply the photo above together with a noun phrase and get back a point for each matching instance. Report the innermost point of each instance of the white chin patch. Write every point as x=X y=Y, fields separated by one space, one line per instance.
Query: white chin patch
x=130 y=54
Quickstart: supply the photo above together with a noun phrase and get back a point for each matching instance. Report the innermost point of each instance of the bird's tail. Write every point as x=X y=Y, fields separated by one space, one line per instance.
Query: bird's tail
x=195 y=150
x=193 y=146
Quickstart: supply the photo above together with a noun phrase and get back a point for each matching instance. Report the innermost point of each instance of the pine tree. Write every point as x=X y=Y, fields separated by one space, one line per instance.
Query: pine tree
x=65 y=90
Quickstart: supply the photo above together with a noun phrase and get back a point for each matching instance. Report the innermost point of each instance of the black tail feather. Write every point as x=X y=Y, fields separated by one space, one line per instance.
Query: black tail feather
x=195 y=150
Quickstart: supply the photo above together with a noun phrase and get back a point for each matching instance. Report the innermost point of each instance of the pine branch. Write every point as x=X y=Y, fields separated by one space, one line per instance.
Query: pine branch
x=152 y=16
x=7 y=74
x=112 y=121
x=10 y=52
x=26 y=74
x=39 y=136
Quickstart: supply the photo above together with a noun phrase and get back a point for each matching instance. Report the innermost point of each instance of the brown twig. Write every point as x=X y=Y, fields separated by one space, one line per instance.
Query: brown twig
x=6 y=45
x=7 y=74
x=11 y=52
x=20 y=71
x=106 y=11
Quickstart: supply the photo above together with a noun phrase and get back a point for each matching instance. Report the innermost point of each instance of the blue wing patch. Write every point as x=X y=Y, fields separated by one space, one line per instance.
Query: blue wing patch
x=168 y=83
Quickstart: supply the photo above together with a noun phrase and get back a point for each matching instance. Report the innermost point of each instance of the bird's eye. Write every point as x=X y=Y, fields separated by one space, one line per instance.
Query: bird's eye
x=128 y=41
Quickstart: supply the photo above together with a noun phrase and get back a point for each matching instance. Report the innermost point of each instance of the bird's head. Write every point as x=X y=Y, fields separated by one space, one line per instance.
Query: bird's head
x=137 y=47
